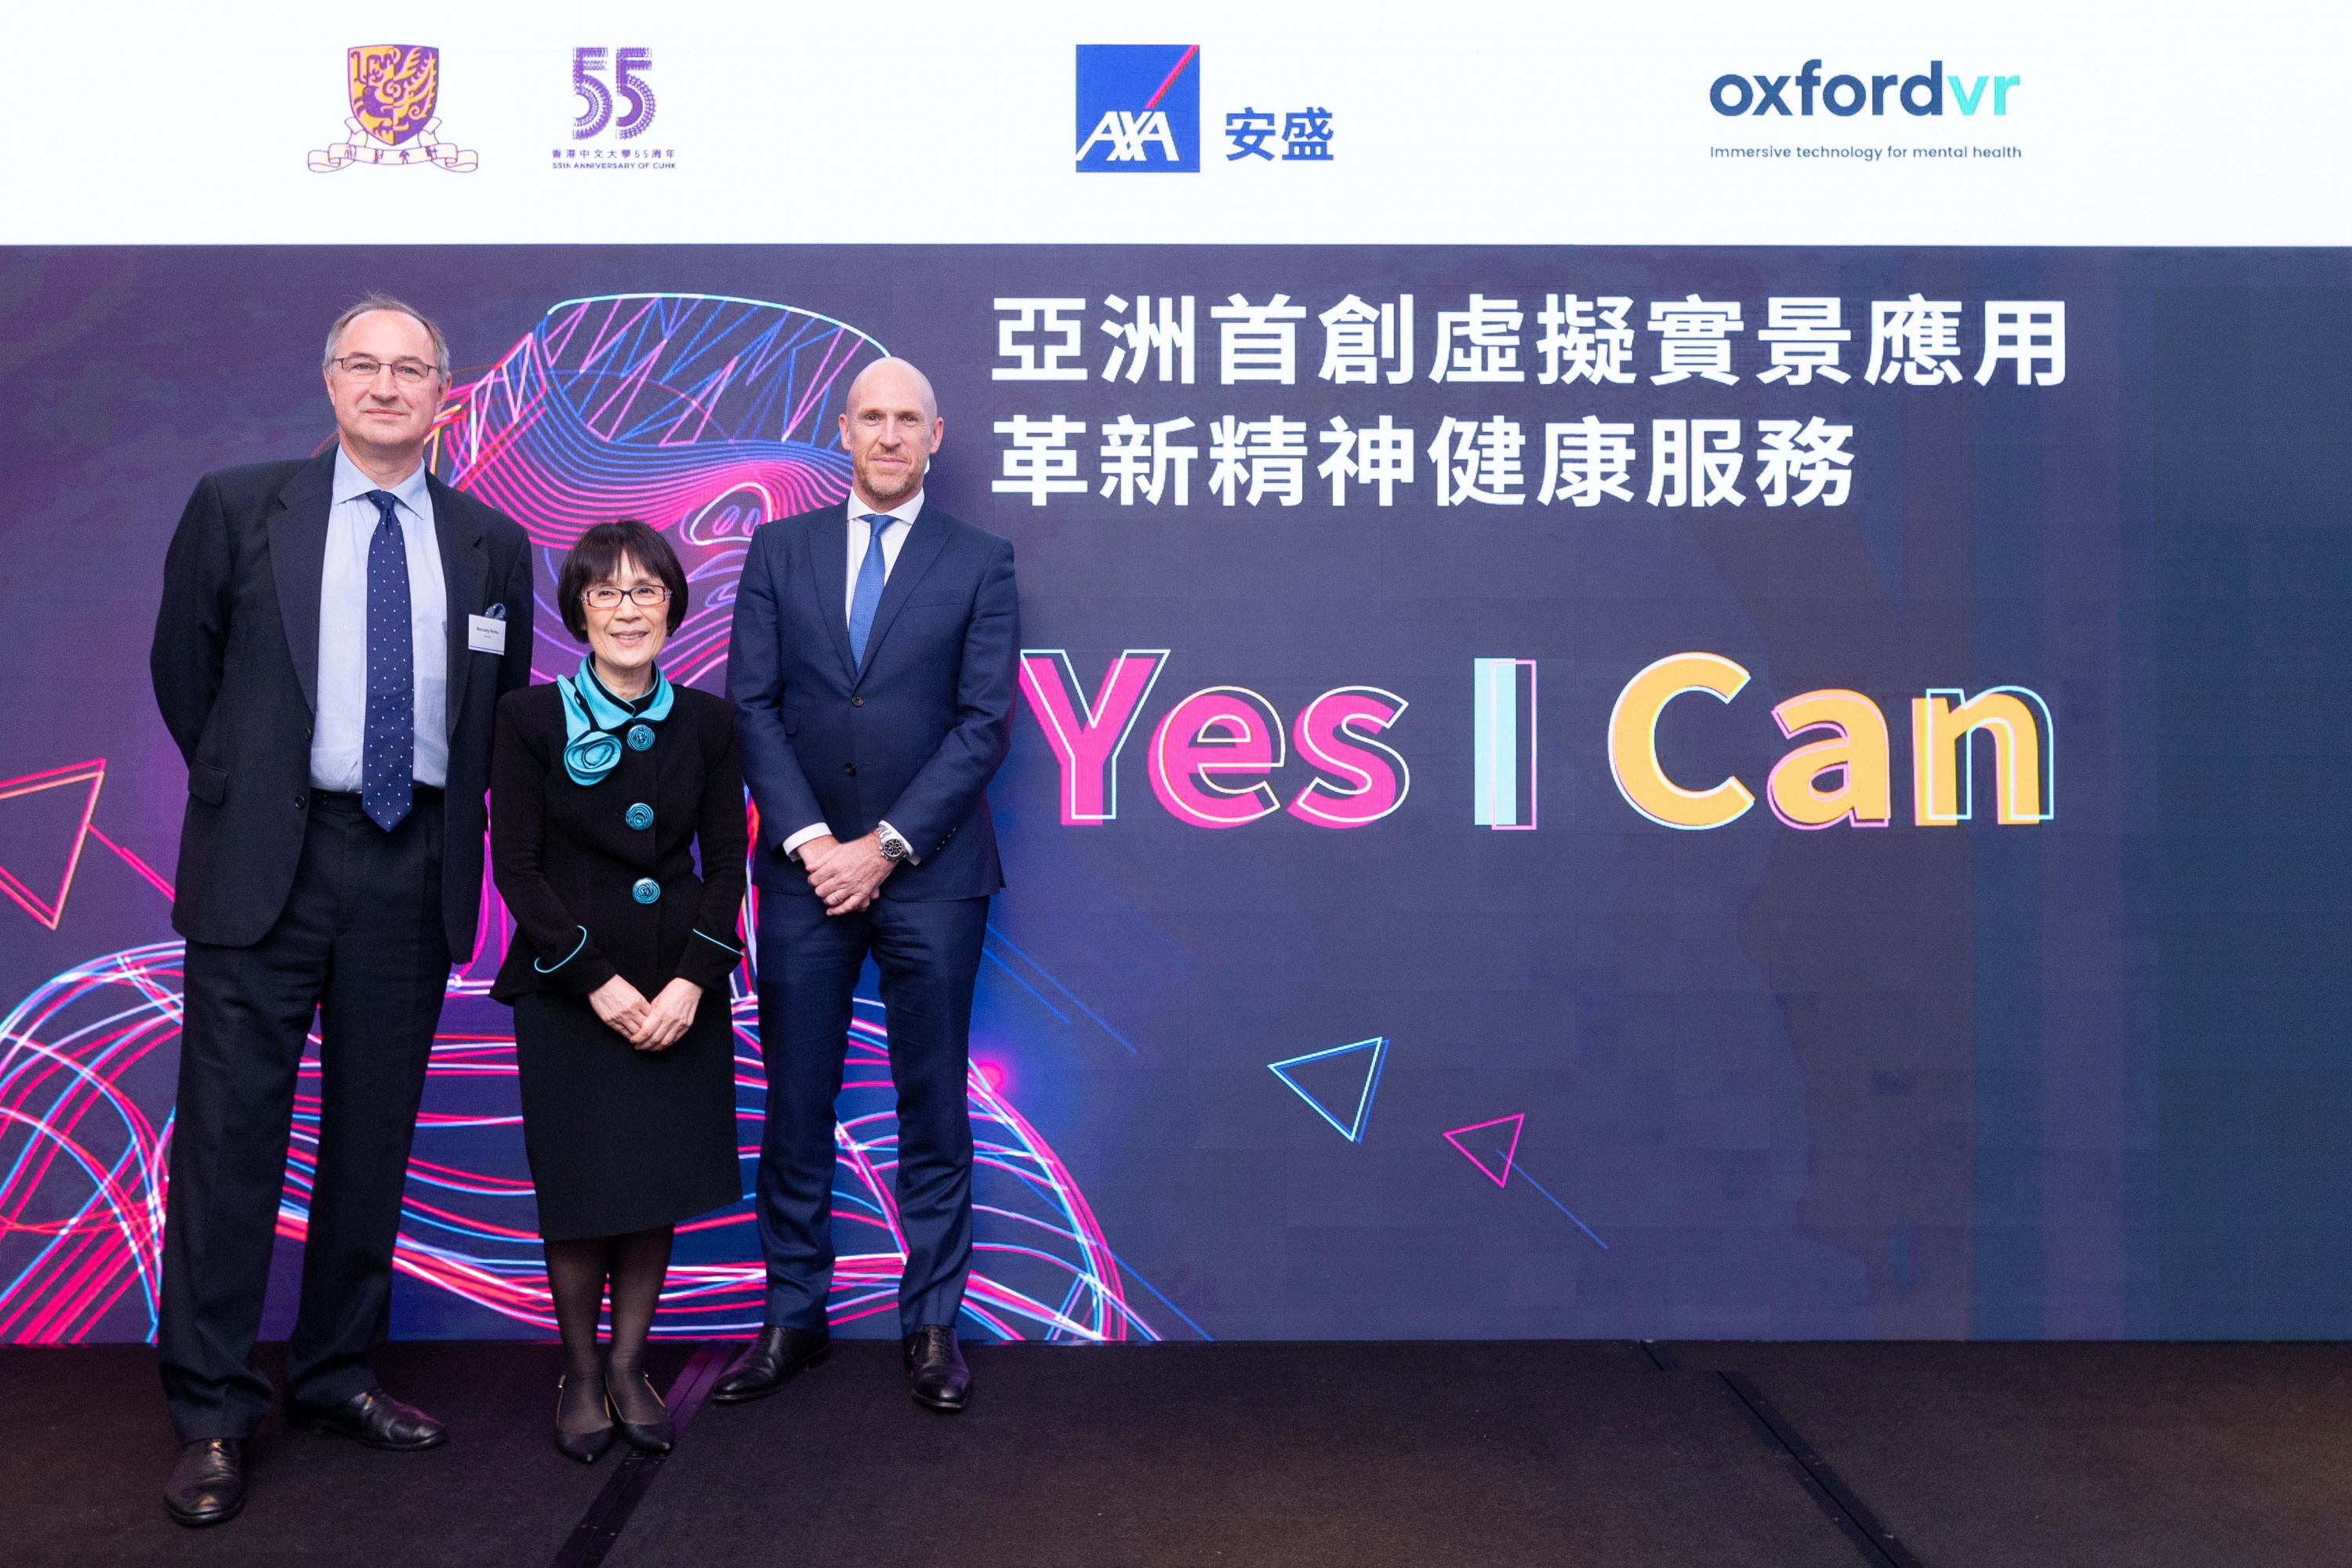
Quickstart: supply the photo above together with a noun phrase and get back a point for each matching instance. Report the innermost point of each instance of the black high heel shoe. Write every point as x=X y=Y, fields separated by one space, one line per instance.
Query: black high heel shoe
x=585 y=1446
x=647 y=1436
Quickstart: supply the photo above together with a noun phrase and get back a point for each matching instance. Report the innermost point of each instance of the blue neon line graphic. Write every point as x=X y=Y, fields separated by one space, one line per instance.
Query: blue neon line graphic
x=720 y=300
x=1377 y=1045
x=1024 y=986
x=1064 y=989
x=1522 y=1170
x=1164 y=1301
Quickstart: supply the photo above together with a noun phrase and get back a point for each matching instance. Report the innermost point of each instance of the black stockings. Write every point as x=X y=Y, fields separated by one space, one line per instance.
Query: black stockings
x=578 y=1273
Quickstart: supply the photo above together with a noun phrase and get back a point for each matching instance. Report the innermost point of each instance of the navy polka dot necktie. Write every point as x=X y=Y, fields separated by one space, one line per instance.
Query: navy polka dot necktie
x=388 y=753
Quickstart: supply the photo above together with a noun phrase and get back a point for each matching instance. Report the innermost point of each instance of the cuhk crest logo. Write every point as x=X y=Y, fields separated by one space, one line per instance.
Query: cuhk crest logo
x=1139 y=109
x=392 y=89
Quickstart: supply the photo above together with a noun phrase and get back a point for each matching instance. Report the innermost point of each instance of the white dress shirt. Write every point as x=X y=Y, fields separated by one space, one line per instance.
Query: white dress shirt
x=339 y=734
x=894 y=539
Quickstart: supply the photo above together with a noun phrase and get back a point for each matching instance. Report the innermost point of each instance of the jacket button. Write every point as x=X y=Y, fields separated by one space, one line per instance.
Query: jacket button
x=646 y=891
x=849 y=768
x=301 y=802
x=639 y=816
x=857 y=702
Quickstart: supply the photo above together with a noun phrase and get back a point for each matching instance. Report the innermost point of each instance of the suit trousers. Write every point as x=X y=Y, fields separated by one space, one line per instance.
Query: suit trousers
x=361 y=944
x=928 y=956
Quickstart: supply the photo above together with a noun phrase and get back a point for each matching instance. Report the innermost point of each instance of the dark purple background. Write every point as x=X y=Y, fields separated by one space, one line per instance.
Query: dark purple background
x=1900 y=1083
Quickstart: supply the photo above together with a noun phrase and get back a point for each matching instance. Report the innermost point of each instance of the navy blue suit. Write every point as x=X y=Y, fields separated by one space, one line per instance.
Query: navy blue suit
x=911 y=737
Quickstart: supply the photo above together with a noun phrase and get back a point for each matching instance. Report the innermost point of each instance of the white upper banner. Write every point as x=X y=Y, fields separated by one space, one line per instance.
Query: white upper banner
x=1461 y=122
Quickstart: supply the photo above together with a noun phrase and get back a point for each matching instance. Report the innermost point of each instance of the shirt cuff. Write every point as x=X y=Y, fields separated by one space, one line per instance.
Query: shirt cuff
x=912 y=858
x=793 y=845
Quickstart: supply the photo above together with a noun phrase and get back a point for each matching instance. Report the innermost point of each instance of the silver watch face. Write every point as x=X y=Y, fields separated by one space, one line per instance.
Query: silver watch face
x=894 y=848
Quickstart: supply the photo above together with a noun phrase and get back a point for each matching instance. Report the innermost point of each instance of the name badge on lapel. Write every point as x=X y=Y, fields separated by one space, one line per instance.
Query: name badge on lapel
x=488 y=634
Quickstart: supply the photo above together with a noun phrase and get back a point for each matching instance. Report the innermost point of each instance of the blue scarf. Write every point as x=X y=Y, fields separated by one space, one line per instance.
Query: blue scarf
x=589 y=748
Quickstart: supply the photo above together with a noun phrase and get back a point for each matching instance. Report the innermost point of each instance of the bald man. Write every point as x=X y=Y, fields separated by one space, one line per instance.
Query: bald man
x=872 y=669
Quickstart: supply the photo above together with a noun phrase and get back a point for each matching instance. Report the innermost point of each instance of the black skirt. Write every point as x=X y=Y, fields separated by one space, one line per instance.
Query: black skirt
x=622 y=1139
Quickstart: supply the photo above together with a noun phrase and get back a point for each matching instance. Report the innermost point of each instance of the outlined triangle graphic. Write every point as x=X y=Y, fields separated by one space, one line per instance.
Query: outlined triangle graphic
x=1352 y=1129
x=51 y=909
x=1510 y=1152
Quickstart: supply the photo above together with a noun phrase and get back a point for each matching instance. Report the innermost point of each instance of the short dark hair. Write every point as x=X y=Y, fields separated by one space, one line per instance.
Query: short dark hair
x=596 y=558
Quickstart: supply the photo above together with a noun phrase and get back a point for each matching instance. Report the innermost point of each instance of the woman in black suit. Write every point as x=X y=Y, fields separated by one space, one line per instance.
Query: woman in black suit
x=601 y=785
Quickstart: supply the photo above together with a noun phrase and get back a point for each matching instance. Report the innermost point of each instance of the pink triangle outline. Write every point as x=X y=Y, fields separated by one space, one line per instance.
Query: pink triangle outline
x=1518 y=1123
x=92 y=772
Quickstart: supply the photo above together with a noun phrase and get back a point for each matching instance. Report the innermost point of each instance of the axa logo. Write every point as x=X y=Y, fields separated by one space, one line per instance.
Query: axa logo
x=1139 y=109
x=1846 y=95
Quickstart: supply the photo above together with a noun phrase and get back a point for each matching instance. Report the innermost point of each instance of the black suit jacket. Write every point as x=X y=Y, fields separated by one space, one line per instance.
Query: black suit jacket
x=567 y=860
x=911 y=737
x=235 y=663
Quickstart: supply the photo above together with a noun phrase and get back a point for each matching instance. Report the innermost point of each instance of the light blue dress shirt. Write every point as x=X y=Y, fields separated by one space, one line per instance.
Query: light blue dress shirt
x=337 y=738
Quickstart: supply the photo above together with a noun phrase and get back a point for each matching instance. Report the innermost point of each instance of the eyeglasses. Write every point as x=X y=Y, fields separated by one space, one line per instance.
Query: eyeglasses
x=645 y=595
x=407 y=371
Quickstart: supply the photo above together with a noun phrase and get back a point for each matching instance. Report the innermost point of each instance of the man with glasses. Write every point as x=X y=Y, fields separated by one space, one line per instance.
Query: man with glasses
x=334 y=635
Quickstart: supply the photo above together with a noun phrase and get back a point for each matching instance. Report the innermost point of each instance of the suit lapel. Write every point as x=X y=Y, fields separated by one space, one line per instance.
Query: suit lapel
x=926 y=537
x=828 y=546
x=465 y=568
x=298 y=561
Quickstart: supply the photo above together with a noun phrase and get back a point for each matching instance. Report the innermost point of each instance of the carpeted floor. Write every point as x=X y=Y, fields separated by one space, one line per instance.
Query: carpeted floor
x=1966 y=1456
x=1989 y=1456
x=1248 y=1454
x=85 y=1446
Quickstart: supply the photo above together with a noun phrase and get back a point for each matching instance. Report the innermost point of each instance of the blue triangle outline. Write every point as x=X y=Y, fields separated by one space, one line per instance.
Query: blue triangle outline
x=1353 y=1132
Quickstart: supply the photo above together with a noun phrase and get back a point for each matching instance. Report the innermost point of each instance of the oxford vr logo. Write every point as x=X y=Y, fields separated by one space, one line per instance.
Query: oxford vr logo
x=1733 y=94
x=1139 y=109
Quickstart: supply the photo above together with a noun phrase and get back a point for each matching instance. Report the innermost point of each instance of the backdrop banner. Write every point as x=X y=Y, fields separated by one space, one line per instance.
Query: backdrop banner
x=1558 y=792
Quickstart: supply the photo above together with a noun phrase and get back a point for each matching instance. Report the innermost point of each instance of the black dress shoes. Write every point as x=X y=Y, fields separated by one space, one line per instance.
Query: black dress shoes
x=374 y=1419
x=761 y=1367
x=207 y=1486
x=935 y=1371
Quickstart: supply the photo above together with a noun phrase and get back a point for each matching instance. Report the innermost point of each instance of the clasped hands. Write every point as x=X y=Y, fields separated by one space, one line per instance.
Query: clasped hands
x=845 y=876
x=654 y=1026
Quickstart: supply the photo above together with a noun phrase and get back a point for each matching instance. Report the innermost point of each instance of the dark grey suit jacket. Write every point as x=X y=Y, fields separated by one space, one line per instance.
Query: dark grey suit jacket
x=235 y=663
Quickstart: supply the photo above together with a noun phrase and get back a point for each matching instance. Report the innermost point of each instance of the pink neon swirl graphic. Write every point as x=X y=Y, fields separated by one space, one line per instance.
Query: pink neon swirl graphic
x=578 y=423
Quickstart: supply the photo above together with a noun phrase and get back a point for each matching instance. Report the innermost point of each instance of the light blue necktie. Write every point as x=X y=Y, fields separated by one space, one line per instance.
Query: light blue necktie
x=388 y=749
x=867 y=597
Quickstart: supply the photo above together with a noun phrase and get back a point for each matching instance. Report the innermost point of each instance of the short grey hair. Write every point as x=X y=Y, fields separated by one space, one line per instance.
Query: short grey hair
x=373 y=302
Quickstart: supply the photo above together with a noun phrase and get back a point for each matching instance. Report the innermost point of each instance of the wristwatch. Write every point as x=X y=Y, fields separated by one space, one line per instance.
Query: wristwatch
x=894 y=847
